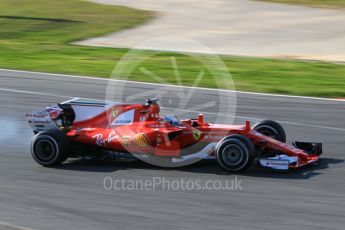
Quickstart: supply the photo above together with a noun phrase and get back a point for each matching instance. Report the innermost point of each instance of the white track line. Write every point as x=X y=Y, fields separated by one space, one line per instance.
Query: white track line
x=179 y=86
x=34 y=93
x=183 y=110
x=13 y=226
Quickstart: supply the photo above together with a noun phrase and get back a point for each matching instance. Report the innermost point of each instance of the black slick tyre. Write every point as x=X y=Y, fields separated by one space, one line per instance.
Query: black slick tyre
x=235 y=153
x=271 y=129
x=50 y=148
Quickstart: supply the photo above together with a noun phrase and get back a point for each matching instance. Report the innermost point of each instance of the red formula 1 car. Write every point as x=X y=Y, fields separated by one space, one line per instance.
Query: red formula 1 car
x=137 y=131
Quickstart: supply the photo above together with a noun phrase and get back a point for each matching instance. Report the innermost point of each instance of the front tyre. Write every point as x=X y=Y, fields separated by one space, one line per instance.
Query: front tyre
x=50 y=148
x=235 y=154
x=271 y=129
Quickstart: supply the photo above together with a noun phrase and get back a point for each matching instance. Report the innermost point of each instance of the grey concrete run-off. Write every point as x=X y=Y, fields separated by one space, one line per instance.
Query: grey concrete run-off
x=235 y=27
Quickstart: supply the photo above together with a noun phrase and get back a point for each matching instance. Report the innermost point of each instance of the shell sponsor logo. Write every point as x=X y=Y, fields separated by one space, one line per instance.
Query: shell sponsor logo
x=142 y=141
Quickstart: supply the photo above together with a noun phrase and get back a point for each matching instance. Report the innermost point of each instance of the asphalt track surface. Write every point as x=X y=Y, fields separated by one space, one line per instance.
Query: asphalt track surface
x=72 y=196
x=234 y=27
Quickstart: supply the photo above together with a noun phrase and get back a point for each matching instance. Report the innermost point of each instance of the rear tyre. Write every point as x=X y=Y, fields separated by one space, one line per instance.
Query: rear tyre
x=50 y=148
x=271 y=129
x=235 y=153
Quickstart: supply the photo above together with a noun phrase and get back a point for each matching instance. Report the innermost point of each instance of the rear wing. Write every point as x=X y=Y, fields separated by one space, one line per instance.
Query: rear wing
x=40 y=121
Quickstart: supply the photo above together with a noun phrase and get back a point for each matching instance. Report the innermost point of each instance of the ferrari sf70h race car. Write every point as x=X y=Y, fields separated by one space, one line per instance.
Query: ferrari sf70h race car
x=137 y=131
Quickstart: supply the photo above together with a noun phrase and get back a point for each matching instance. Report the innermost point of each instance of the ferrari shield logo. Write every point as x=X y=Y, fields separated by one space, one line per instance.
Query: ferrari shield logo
x=142 y=141
x=196 y=134
x=114 y=113
x=125 y=141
